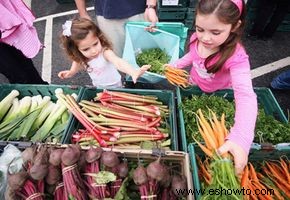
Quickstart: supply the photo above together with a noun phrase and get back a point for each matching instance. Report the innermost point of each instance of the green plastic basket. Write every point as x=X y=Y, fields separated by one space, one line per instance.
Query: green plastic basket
x=173 y=4
x=265 y=98
x=165 y=96
x=32 y=90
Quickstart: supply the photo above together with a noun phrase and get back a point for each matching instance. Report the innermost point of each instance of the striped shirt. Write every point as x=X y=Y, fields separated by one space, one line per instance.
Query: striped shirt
x=16 y=26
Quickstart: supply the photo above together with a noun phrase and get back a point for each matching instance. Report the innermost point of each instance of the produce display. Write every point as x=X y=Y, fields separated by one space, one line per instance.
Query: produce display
x=71 y=172
x=120 y=119
x=32 y=118
x=268 y=129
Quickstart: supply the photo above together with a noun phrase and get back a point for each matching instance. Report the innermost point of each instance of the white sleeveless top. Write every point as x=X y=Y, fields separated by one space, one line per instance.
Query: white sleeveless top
x=103 y=73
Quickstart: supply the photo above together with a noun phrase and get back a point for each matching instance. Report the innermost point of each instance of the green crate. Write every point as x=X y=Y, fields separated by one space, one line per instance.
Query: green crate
x=175 y=4
x=255 y=156
x=165 y=96
x=194 y=171
x=171 y=13
x=43 y=90
x=265 y=98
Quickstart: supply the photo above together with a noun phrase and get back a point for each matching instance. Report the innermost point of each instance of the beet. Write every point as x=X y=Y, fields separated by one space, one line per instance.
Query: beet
x=53 y=176
x=178 y=183
x=93 y=154
x=41 y=157
x=71 y=155
x=82 y=162
x=166 y=181
x=140 y=176
x=17 y=180
x=38 y=171
x=123 y=169
x=110 y=159
x=28 y=154
x=156 y=170
x=55 y=157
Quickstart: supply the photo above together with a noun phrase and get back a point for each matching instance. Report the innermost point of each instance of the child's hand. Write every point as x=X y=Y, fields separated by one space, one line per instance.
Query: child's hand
x=65 y=74
x=239 y=154
x=140 y=72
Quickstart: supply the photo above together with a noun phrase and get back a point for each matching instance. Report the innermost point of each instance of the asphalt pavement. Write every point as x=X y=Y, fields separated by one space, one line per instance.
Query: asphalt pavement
x=267 y=58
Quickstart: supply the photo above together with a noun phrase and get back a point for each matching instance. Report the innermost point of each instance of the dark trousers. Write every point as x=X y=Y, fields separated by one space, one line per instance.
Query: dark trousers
x=270 y=13
x=17 y=67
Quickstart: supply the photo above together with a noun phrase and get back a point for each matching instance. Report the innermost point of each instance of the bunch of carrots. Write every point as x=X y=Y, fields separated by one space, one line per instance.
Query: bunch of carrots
x=177 y=77
x=273 y=182
x=221 y=169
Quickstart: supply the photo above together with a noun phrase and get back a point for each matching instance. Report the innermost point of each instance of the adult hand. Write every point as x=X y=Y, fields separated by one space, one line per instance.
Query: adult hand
x=151 y=16
x=239 y=154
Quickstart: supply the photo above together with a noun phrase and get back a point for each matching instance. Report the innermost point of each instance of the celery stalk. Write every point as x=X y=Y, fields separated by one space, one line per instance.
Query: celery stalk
x=6 y=103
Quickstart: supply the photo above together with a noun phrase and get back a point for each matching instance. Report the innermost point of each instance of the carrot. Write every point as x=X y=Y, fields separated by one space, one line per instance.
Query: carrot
x=260 y=187
x=278 y=177
x=207 y=129
x=207 y=143
x=218 y=127
x=252 y=194
x=285 y=169
x=204 y=149
x=223 y=124
x=252 y=173
x=245 y=178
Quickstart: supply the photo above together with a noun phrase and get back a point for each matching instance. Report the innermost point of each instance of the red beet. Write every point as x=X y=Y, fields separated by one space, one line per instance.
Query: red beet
x=17 y=180
x=123 y=169
x=28 y=154
x=71 y=155
x=178 y=183
x=41 y=157
x=55 y=156
x=110 y=159
x=140 y=176
x=53 y=175
x=38 y=171
x=93 y=154
x=156 y=170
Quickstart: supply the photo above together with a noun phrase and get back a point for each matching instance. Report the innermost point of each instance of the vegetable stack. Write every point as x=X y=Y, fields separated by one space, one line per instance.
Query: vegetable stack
x=32 y=118
x=222 y=172
x=119 y=118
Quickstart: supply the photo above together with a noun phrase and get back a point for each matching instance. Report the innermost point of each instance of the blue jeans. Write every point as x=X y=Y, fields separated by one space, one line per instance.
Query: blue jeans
x=282 y=81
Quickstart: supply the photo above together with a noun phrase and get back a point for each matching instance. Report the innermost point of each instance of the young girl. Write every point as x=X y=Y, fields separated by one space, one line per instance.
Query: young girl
x=219 y=61
x=89 y=49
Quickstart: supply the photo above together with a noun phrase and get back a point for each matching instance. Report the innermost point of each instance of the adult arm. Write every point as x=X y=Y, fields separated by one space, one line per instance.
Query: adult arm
x=81 y=6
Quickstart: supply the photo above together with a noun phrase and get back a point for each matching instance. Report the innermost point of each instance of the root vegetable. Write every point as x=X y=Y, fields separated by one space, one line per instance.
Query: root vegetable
x=41 y=157
x=53 y=176
x=156 y=170
x=123 y=169
x=140 y=175
x=55 y=157
x=17 y=180
x=71 y=155
x=110 y=159
x=93 y=154
x=28 y=154
x=178 y=184
x=38 y=171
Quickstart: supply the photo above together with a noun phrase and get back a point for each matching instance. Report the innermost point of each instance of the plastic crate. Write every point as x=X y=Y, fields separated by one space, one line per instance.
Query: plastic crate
x=265 y=98
x=173 y=3
x=165 y=96
x=161 y=39
x=171 y=13
x=32 y=90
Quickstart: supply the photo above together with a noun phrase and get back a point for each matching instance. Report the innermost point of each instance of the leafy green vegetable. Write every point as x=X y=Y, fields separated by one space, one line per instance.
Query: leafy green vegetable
x=154 y=57
x=122 y=192
x=268 y=129
x=103 y=177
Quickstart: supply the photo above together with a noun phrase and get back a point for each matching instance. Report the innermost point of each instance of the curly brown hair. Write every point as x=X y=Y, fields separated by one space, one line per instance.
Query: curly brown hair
x=228 y=13
x=79 y=30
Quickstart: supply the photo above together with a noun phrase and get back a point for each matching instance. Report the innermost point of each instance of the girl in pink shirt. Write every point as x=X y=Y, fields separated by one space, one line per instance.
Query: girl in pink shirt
x=219 y=61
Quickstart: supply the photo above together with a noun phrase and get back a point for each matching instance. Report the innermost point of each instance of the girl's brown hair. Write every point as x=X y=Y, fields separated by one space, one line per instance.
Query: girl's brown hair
x=228 y=13
x=79 y=30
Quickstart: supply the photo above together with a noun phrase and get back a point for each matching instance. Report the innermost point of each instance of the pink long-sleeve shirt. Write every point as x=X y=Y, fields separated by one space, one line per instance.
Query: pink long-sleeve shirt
x=234 y=74
x=16 y=26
